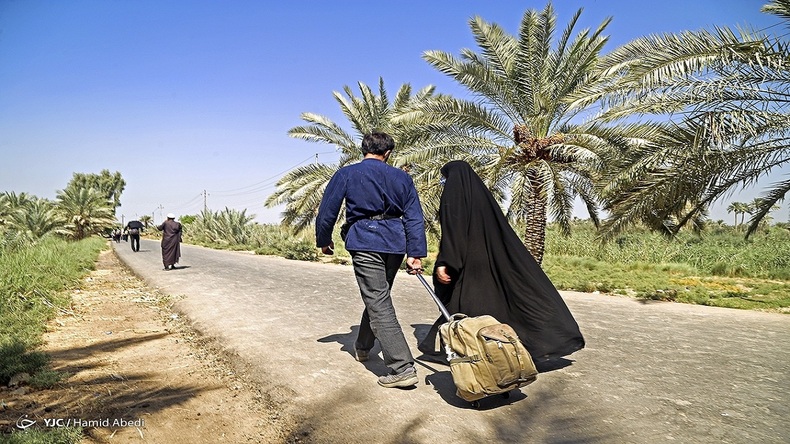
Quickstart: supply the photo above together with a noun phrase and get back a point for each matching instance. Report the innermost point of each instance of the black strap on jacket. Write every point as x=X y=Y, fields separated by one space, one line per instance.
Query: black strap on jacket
x=347 y=226
x=381 y=217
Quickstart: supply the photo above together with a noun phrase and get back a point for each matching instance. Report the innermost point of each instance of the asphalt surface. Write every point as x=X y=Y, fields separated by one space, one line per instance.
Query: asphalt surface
x=651 y=372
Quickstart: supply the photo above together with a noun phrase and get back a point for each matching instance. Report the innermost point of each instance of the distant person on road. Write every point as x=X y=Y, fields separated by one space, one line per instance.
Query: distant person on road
x=384 y=221
x=484 y=268
x=171 y=241
x=134 y=228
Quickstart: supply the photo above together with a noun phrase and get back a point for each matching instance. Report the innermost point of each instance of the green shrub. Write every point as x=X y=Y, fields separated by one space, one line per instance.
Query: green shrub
x=15 y=358
x=46 y=378
x=729 y=270
x=60 y=435
x=299 y=249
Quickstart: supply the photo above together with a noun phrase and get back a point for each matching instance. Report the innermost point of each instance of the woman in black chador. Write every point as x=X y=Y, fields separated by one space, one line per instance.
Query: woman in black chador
x=484 y=268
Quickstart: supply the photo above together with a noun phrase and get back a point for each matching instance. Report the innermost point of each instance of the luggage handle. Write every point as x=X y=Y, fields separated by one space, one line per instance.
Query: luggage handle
x=451 y=355
x=436 y=299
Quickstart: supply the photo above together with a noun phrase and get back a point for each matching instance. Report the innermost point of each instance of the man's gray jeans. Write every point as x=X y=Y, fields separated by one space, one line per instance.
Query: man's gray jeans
x=375 y=273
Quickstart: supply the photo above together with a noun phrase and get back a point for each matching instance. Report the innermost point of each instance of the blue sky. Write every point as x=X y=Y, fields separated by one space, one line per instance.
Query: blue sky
x=184 y=96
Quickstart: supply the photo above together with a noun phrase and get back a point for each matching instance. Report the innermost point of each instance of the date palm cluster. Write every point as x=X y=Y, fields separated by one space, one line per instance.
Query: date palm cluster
x=531 y=148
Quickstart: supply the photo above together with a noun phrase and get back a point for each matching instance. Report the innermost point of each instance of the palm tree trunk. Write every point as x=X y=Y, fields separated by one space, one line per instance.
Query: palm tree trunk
x=535 y=235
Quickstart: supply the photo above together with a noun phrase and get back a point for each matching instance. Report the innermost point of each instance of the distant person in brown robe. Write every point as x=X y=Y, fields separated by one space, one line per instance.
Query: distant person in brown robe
x=171 y=241
x=484 y=268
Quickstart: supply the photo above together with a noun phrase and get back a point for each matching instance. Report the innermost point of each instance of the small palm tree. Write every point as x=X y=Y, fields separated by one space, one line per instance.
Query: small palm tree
x=518 y=130
x=146 y=220
x=37 y=218
x=301 y=189
x=86 y=211
x=227 y=227
x=23 y=212
x=9 y=203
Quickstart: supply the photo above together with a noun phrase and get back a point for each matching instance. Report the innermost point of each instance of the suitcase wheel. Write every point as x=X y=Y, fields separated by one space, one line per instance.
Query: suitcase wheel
x=476 y=404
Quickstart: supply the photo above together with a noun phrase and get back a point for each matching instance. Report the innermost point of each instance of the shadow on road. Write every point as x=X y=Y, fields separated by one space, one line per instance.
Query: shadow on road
x=105 y=393
x=318 y=423
x=552 y=364
x=78 y=353
x=346 y=340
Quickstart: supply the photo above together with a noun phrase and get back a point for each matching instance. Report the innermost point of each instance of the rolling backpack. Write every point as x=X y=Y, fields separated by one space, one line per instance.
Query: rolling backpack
x=486 y=357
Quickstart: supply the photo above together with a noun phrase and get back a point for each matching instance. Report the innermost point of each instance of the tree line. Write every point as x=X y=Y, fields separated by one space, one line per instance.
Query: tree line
x=650 y=134
x=86 y=206
x=744 y=208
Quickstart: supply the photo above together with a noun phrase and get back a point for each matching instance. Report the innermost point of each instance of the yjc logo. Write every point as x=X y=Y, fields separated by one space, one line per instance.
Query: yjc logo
x=23 y=422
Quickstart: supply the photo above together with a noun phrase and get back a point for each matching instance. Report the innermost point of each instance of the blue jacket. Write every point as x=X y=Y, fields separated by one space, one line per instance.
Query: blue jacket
x=373 y=188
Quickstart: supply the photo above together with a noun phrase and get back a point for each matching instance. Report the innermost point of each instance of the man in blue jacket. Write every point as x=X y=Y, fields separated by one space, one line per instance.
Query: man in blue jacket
x=384 y=221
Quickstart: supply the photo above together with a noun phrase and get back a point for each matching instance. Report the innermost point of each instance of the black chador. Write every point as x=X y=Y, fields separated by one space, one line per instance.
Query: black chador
x=492 y=271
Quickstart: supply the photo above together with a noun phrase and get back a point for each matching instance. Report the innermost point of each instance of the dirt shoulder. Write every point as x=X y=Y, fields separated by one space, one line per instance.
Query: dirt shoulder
x=138 y=373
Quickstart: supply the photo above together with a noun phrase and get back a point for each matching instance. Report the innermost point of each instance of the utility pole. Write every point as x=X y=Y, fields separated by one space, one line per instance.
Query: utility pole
x=205 y=204
x=122 y=222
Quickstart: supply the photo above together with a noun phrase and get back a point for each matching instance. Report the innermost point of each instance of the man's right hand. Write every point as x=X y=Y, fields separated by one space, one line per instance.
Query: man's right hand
x=413 y=265
x=329 y=249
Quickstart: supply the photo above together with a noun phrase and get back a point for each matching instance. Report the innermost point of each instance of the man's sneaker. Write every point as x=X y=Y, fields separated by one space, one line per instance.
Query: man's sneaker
x=362 y=355
x=406 y=378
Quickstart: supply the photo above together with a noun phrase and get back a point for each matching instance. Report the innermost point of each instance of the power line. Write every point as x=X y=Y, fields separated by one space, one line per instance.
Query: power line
x=770 y=26
x=275 y=177
x=191 y=201
x=254 y=194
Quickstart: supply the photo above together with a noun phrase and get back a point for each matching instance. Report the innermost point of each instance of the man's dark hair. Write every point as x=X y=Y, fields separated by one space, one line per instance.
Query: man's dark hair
x=377 y=143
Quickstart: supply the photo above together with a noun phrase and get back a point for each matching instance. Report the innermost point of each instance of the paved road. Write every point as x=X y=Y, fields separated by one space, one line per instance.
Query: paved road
x=651 y=372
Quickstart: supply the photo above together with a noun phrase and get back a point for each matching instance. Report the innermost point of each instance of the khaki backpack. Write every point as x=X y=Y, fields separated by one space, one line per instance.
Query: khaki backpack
x=486 y=357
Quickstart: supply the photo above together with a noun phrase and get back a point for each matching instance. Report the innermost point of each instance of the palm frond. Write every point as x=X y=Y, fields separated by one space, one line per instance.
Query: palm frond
x=766 y=203
x=780 y=8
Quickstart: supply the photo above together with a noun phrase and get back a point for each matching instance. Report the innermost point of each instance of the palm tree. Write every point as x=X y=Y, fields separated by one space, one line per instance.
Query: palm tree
x=301 y=189
x=739 y=208
x=110 y=184
x=227 y=227
x=11 y=206
x=26 y=214
x=146 y=220
x=717 y=101
x=86 y=211
x=518 y=130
